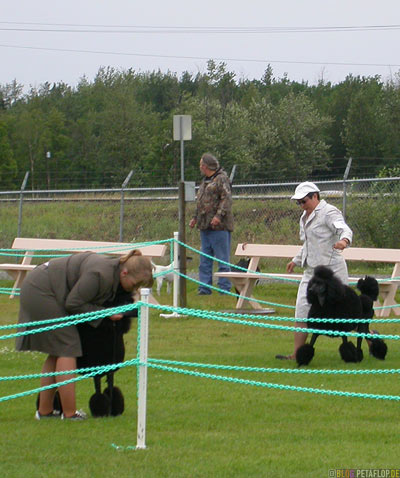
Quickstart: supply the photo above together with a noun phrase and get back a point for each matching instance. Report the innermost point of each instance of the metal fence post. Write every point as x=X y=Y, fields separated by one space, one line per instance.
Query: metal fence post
x=121 y=212
x=345 y=176
x=21 y=200
x=232 y=175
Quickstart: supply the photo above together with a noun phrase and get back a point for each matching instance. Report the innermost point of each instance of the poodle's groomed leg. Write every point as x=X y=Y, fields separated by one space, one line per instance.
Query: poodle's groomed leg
x=305 y=352
x=313 y=339
x=344 y=340
x=97 y=383
x=359 y=342
x=363 y=328
x=299 y=340
x=299 y=337
x=110 y=383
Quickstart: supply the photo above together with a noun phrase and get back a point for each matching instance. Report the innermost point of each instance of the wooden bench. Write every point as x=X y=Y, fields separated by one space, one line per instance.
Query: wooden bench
x=245 y=281
x=32 y=247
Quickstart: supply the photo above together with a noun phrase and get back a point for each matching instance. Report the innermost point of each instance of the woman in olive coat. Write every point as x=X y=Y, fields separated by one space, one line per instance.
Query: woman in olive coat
x=71 y=285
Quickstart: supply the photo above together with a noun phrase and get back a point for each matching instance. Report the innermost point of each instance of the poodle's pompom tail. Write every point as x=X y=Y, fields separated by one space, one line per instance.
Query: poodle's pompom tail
x=304 y=354
x=323 y=273
x=369 y=286
x=378 y=349
x=348 y=352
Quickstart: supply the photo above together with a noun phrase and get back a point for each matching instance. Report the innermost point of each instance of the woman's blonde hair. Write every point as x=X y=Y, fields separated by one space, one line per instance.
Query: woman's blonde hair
x=138 y=267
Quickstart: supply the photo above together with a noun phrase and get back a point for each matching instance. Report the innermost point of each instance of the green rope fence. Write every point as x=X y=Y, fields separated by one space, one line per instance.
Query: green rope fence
x=63 y=252
x=166 y=365
x=176 y=366
x=9 y=291
x=274 y=385
x=296 y=371
x=232 y=294
x=134 y=245
x=262 y=276
x=57 y=323
x=84 y=374
x=217 y=316
x=65 y=321
x=243 y=269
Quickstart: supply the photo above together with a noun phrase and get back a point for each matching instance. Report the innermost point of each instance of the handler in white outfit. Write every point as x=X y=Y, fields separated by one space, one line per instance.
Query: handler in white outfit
x=324 y=234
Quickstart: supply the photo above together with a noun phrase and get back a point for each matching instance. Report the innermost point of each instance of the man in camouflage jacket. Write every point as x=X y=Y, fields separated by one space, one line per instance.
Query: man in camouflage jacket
x=214 y=218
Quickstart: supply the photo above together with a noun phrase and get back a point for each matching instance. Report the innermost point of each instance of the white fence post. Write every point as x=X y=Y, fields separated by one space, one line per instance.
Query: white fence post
x=176 y=284
x=176 y=270
x=142 y=385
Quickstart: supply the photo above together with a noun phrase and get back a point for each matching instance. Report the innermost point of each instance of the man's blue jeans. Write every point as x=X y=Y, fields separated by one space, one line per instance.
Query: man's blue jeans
x=216 y=244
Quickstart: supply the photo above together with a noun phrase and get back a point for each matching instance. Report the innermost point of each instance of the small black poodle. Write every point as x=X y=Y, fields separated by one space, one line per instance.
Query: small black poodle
x=331 y=299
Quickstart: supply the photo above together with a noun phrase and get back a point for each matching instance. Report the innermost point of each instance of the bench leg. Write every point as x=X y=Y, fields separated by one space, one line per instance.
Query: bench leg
x=388 y=293
x=27 y=259
x=18 y=281
x=245 y=289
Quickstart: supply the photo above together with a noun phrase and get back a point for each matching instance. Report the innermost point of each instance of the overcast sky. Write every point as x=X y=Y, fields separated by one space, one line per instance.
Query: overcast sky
x=54 y=41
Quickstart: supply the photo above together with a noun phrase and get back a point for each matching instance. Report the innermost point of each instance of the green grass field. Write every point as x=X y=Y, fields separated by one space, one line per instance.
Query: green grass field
x=198 y=427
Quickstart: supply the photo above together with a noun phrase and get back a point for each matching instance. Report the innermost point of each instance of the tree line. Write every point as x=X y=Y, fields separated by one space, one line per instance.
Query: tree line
x=273 y=129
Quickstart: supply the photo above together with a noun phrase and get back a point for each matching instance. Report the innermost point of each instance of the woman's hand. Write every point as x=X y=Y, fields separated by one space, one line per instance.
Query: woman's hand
x=290 y=267
x=342 y=244
x=116 y=317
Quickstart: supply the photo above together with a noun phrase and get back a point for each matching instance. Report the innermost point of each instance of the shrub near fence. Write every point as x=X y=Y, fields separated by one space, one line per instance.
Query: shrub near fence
x=376 y=221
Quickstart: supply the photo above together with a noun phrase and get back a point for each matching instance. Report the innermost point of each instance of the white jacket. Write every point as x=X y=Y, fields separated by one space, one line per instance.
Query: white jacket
x=319 y=232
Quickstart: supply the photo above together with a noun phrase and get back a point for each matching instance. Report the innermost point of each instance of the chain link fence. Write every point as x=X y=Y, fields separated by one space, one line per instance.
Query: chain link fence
x=263 y=213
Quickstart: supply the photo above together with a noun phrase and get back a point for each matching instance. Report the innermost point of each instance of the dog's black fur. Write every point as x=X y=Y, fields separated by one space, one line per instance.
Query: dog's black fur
x=104 y=345
x=331 y=299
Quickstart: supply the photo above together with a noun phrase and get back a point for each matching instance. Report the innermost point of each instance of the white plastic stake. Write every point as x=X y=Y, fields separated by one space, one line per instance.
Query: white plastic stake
x=176 y=269
x=176 y=285
x=143 y=354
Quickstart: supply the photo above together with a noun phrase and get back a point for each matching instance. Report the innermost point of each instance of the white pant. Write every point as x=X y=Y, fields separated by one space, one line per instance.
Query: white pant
x=302 y=306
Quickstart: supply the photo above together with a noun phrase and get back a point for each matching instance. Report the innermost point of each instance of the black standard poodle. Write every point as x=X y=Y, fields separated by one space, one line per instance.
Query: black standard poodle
x=104 y=345
x=331 y=299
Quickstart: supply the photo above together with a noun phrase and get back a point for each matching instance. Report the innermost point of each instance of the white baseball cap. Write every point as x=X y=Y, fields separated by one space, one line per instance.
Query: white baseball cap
x=303 y=189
